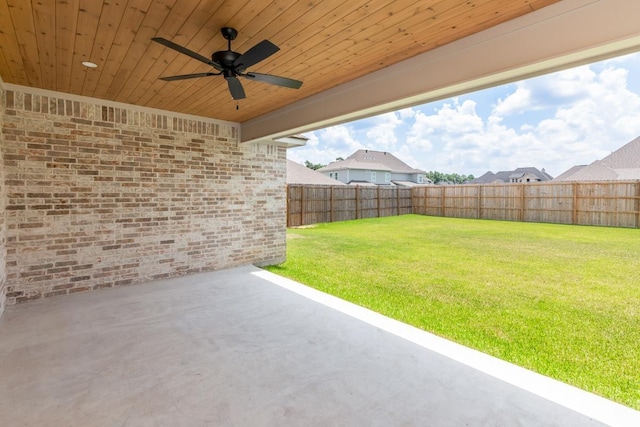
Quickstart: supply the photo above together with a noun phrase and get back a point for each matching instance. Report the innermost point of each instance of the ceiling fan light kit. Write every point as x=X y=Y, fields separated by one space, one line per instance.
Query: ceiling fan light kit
x=232 y=65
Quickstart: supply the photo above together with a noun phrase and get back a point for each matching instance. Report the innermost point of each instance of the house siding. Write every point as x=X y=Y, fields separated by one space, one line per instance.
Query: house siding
x=343 y=175
x=348 y=175
x=403 y=177
x=102 y=194
x=526 y=178
x=363 y=175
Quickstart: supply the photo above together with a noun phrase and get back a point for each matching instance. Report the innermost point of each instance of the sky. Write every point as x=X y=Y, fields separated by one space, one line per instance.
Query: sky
x=554 y=121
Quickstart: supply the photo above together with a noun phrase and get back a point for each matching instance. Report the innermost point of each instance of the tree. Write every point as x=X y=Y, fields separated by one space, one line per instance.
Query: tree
x=454 y=178
x=314 y=166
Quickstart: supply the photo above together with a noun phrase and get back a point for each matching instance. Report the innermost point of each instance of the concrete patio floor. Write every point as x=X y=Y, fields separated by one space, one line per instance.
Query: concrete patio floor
x=243 y=347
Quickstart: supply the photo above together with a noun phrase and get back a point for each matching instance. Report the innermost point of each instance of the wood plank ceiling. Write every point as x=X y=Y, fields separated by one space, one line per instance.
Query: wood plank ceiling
x=323 y=43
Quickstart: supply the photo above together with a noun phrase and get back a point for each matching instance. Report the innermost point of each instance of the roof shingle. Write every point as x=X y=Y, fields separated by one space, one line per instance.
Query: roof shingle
x=622 y=164
x=505 y=176
x=299 y=174
x=370 y=159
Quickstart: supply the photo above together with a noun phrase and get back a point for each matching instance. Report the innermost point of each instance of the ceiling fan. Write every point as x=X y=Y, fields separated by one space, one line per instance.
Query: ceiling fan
x=232 y=64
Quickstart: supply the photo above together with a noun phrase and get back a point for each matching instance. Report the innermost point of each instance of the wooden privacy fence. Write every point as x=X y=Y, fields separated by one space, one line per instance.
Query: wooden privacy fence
x=611 y=203
x=311 y=204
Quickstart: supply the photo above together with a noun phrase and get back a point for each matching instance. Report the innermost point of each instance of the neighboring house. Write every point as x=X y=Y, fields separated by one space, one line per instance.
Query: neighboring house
x=566 y=174
x=515 y=176
x=621 y=165
x=300 y=174
x=368 y=167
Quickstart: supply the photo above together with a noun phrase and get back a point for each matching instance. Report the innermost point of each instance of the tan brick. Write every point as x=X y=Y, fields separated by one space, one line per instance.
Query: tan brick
x=98 y=199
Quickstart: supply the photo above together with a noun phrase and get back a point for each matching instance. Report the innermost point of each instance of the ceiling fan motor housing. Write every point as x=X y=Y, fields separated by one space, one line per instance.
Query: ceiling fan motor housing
x=225 y=58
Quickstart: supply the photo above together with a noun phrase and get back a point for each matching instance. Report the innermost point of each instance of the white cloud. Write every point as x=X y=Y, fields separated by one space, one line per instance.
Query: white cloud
x=598 y=114
x=407 y=113
x=568 y=83
x=606 y=116
x=547 y=91
x=418 y=136
x=455 y=118
x=382 y=134
x=515 y=103
x=325 y=145
x=553 y=121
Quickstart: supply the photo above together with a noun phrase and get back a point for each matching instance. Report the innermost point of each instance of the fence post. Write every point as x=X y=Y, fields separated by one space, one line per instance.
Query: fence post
x=378 y=196
x=442 y=202
x=331 y=204
x=637 y=204
x=574 y=216
x=398 y=200
x=479 y=201
x=302 y=205
x=357 y=201
x=522 y=202
x=425 y=200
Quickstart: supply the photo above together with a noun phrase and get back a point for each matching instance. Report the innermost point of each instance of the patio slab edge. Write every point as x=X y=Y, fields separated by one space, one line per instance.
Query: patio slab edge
x=578 y=400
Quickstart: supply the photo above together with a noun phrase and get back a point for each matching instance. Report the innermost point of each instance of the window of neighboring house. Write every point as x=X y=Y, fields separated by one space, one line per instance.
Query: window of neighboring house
x=420 y=178
x=336 y=175
x=387 y=177
x=373 y=177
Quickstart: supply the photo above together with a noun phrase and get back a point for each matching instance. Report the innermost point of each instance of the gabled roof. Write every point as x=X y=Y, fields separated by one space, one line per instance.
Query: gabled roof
x=486 y=178
x=505 y=176
x=300 y=174
x=372 y=160
x=622 y=164
x=566 y=174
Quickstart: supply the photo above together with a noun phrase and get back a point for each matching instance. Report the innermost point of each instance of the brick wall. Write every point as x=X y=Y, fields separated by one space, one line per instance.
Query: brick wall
x=102 y=194
x=3 y=248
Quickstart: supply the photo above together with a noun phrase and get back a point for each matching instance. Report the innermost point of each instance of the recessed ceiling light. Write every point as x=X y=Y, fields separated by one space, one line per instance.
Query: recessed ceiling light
x=89 y=64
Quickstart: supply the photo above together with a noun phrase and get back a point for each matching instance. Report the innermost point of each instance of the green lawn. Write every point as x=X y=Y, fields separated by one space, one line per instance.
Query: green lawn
x=558 y=299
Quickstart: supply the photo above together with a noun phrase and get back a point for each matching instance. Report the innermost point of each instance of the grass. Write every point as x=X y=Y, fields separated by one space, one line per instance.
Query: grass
x=561 y=300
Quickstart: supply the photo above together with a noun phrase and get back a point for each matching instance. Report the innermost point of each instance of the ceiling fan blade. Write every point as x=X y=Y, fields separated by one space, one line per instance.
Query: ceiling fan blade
x=235 y=87
x=187 y=76
x=185 y=51
x=274 y=80
x=257 y=53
